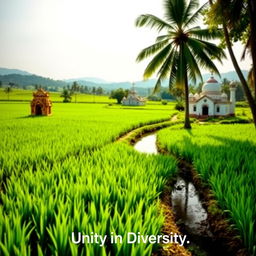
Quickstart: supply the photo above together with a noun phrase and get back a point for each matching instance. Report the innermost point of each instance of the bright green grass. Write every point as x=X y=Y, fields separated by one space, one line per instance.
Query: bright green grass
x=150 y=105
x=113 y=189
x=27 y=95
x=224 y=156
x=244 y=112
x=62 y=173
x=28 y=141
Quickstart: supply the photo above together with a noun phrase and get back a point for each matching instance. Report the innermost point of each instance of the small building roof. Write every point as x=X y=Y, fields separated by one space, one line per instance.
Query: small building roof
x=211 y=99
x=41 y=93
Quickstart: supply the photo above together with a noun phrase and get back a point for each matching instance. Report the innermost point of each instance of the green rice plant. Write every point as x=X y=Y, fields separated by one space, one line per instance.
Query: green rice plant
x=27 y=142
x=14 y=235
x=224 y=156
x=66 y=179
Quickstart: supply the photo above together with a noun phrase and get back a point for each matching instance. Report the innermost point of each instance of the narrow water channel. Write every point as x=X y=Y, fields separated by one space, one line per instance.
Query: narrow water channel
x=189 y=213
x=147 y=145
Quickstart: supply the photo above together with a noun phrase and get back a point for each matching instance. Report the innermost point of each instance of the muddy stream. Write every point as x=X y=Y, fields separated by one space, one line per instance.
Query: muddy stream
x=190 y=215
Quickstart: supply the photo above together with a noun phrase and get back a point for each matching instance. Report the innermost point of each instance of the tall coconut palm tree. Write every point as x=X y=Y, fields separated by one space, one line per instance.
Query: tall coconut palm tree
x=181 y=49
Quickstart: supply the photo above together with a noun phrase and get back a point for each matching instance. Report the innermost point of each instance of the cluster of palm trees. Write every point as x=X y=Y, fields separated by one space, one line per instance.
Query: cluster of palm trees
x=67 y=93
x=183 y=48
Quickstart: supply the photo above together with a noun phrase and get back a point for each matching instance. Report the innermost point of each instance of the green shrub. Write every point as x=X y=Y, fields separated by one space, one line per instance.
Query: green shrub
x=179 y=106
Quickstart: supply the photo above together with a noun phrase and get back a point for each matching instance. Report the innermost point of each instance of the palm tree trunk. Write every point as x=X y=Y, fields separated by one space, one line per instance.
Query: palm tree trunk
x=187 y=121
x=252 y=13
x=247 y=91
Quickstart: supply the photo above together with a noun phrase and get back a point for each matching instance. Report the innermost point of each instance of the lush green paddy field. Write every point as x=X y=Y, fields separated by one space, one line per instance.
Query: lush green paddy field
x=72 y=128
x=63 y=173
x=242 y=110
x=27 y=95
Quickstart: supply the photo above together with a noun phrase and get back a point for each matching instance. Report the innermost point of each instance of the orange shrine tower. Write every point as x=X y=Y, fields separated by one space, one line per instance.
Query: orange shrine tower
x=41 y=103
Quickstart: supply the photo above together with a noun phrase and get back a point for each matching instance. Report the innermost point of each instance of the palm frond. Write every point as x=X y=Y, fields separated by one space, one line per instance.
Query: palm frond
x=236 y=8
x=152 y=21
x=205 y=34
x=196 y=16
x=193 y=4
x=192 y=66
x=175 y=11
x=201 y=56
x=157 y=61
x=162 y=37
x=151 y=50
x=170 y=60
x=213 y=50
x=157 y=85
x=165 y=69
x=193 y=28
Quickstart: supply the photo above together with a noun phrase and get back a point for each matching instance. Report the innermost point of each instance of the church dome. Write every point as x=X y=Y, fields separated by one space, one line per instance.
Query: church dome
x=211 y=85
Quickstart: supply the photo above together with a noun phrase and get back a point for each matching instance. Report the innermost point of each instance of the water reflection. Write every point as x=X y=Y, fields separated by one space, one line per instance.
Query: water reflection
x=147 y=145
x=188 y=208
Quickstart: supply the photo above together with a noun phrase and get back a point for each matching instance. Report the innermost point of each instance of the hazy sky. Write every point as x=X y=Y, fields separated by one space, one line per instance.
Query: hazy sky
x=77 y=38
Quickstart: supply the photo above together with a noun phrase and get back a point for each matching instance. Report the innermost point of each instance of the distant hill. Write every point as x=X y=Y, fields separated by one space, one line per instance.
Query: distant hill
x=231 y=76
x=87 y=79
x=8 y=71
x=31 y=80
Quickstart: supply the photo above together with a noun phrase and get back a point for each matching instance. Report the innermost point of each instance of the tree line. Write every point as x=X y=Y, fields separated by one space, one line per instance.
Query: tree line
x=75 y=88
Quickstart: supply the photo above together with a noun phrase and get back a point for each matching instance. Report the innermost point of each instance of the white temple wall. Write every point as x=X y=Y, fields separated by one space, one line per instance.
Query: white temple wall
x=132 y=102
x=224 y=109
x=205 y=102
x=219 y=109
x=191 y=108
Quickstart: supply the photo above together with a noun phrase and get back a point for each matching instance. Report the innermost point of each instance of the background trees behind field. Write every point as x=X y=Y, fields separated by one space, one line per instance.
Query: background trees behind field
x=66 y=95
x=8 y=90
x=118 y=94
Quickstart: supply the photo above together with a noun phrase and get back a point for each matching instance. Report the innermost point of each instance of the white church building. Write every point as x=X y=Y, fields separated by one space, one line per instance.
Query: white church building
x=211 y=102
x=133 y=99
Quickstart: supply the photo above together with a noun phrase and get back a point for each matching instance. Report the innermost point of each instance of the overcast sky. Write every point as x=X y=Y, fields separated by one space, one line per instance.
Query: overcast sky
x=79 y=38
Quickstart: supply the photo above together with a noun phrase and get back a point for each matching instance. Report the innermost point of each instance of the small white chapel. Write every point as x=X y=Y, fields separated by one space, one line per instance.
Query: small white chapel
x=133 y=99
x=211 y=102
